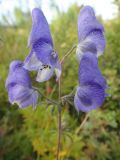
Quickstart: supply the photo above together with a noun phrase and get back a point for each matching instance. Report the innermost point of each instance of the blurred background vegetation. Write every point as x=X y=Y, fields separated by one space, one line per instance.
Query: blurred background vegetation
x=32 y=135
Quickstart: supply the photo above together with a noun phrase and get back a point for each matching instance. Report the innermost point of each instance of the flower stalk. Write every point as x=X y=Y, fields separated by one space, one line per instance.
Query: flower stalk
x=59 y=121
x=68 y=53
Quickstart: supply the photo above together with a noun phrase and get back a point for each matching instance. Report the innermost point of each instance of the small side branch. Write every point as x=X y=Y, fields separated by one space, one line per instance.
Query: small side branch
x=49 y=100
x=82 y=124
x=68 y=53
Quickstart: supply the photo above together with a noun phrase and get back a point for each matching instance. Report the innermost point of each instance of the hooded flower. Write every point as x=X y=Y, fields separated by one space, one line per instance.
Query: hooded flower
x=91 y=92
x=42 y=56
x=19 y=86
x=90 y=33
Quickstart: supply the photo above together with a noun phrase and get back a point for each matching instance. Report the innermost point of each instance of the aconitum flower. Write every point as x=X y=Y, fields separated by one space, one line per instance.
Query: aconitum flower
x=91 y=92
x=42 y=57
x=19 y=86
x=90 y=33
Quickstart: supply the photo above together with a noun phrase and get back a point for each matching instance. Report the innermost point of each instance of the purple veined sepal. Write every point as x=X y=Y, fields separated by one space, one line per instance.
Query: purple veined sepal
x=18 y=74
x=90 y=33
x=89 y=71
x=91 y=92
x=42 y=56
x=89 y=97
x=19 y=86
x=45 y=70
x=40 y=28
x=22 y=96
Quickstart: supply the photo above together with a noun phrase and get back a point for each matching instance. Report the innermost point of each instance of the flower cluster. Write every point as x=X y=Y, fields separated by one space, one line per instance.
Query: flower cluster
x=44 y=59
x=91 y=92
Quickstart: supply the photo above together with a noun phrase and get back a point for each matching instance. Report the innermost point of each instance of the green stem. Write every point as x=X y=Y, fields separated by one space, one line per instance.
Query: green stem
x=59 y=107
x=59 y=123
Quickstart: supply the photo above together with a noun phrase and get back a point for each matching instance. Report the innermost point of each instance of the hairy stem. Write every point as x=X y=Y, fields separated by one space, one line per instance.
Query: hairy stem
x=59 y=123
x=68 y=53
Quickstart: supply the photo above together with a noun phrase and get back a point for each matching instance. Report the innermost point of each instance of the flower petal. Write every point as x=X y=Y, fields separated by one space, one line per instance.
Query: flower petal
x=44 y=52
x=96 y=37
x=90 y=32
x=44 y=74
x=89 y=97
x=17 y=74
x=41 y=53
x=40 y=28
x=32 y=63
x=23 y=96
x=87 y=22
x=89 y=71
x=85 y=46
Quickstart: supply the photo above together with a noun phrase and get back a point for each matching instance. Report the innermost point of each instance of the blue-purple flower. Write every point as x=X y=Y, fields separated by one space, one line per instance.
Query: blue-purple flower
x=42 y=56
x=19 y=86
x=90 y=33
x=91 y=92
x=92 y=85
